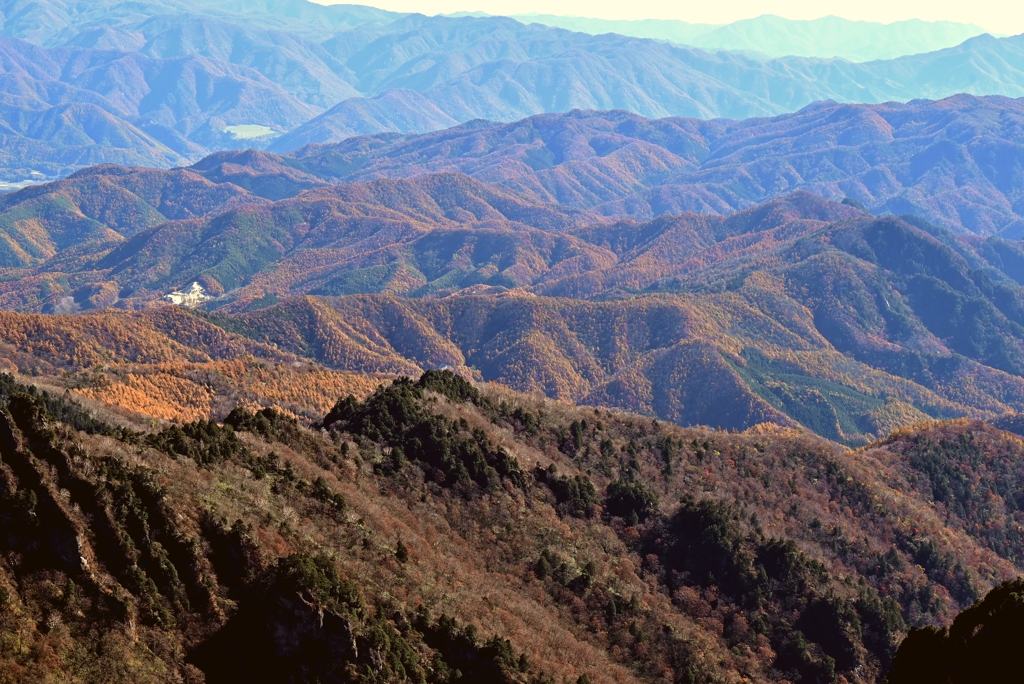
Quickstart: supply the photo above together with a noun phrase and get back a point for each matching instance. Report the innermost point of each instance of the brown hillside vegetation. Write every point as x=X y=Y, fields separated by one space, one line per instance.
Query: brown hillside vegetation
x=169 y=364
x=64 y=242
x=800 y=311
x=712 y=360
x=186 y=392
x=439 y=532
x=892 y=157
x=52 y=344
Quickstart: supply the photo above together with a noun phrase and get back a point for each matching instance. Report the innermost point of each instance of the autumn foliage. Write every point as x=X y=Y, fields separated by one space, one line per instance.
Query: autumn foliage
x=435 y=530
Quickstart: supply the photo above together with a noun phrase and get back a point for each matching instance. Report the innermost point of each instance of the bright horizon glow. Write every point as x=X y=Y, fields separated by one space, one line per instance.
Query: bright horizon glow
x=998 y=16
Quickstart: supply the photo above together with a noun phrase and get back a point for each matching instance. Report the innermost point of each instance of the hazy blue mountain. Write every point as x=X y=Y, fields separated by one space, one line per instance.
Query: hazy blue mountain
x=108 y=38
x=980 y=66
x=302 y=67
x=956 y=162
x=195 y=76
x=857 y=41
x=309 y=19
x=673 y=30
x=64 y=108
x=774 y=36
x=496 y=69
x=499 y=69
x=397 y=110
x=55 y=22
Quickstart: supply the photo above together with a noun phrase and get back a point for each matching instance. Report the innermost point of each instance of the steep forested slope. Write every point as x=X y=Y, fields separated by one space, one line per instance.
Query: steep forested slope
x=437 y=532
x=979 y=646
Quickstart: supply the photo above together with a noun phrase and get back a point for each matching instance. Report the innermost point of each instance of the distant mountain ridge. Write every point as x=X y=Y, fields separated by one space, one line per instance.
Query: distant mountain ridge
x=653 y=79
x=952 y=161
x=71 y=107
x=774 y=36
x=54 y=22
x=358 y=205
x=289 y=73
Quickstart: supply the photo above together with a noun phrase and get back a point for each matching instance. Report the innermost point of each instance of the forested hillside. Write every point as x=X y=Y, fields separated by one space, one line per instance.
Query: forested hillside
x=951 y=161
x=800 y=311
x=436 y=531
x=481 y=363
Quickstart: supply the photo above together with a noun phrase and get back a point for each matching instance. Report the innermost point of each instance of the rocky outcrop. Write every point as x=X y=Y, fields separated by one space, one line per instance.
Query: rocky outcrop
x=299 y=626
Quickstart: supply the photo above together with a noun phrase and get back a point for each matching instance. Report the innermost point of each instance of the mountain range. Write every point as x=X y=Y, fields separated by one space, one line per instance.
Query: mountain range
x=955 y=162
x=165 y=83
x=645 y=77
x=69 y=107
x=799 y=312
x=774 y=36
x=484 y=363
x=52 y=23
x=196 y=497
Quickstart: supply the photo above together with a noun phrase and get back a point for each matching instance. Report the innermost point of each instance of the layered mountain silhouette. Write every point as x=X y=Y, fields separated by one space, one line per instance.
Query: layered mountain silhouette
x=525 y=252
x=951 y=161
x=70 y=107
x=795 y=313
x=175 y=80
x=445 y=70
x=588 y=396
x=801 y=311
x=55 y=22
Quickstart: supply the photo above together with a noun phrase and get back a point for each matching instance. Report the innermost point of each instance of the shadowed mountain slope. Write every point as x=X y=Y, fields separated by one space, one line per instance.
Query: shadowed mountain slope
x=978 y=646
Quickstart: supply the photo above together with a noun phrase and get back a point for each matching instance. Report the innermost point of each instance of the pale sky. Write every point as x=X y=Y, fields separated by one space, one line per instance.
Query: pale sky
x=999 y=16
